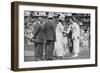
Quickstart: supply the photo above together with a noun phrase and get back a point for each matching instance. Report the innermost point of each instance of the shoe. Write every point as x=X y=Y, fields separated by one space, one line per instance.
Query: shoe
x=49 y=59
x=76 y=55
x=38 y=59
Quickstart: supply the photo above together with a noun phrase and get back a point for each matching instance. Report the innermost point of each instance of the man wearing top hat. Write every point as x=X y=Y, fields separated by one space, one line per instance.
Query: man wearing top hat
x=50 y=37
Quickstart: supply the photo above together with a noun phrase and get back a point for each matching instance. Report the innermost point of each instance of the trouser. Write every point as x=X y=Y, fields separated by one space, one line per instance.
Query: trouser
x=71 y=46
x=38 y=50
x=76 y=46
x=49 y=48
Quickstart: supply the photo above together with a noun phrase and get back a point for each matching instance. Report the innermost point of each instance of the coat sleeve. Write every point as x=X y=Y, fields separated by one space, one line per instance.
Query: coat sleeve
x=53 y=30
x=36 y=31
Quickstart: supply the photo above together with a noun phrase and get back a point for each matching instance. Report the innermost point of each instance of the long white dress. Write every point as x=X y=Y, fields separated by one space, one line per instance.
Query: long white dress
x=59 y=44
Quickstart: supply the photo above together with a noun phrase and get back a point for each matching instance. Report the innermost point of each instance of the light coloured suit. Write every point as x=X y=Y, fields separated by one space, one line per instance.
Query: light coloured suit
x=75 y=36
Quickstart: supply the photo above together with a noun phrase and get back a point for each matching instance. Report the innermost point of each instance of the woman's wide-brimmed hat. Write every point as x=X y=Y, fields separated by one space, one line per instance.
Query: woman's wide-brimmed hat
x=62 y=16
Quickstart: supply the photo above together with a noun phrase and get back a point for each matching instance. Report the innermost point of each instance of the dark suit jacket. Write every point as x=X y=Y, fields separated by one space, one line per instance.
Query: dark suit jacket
x=38 y=33
x=70 y=34
x=49 y=31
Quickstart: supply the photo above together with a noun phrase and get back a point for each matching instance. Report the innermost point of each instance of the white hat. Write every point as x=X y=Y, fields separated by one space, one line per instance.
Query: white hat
x=62 y=16
x=50 y=15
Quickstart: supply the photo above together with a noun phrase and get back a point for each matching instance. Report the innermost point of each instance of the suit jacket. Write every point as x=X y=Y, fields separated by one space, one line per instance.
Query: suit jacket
x=38 y=33
x=75 y=31
x=70 y=34
x=49 y=31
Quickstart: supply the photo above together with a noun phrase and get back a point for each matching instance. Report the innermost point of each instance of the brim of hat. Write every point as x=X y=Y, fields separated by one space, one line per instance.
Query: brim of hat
x=49 y=17
x=61 y=19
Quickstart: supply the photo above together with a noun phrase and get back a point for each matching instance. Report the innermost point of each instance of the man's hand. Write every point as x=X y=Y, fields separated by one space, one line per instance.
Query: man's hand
x=45 y=41
x=32 y=39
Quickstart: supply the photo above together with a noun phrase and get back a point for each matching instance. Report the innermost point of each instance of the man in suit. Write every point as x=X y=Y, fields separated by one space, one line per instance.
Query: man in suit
x=75 y=36
x=50 y=37
x=70 y=40
x=38 y=38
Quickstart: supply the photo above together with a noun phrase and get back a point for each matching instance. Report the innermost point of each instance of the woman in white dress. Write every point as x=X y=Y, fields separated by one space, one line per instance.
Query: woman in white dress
x=59 y=44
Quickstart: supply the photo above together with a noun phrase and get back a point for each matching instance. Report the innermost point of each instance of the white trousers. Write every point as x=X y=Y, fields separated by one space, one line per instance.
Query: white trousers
x=76 y=45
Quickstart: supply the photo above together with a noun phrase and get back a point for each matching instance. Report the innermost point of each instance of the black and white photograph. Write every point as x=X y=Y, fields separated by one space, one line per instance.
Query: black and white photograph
x=52 y=36
x=56 y=36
